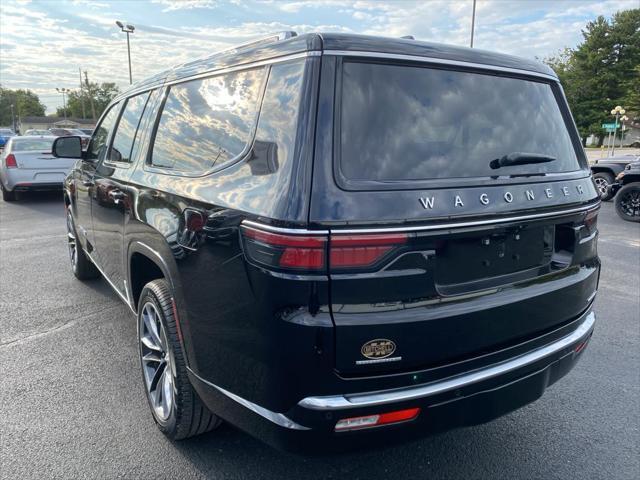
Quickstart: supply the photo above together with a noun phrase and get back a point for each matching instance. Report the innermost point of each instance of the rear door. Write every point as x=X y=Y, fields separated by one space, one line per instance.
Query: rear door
x=435 y=255
x=112 y=199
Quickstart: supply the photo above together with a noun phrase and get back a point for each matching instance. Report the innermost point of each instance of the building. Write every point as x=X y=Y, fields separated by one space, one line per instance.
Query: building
x=44 y=123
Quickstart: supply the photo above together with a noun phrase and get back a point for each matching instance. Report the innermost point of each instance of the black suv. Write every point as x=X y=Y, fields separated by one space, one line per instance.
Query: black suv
x=335 y=239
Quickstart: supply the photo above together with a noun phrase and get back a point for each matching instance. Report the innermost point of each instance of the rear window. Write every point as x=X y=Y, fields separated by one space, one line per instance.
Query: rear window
x=207 y=122
x=401 y=123
x=32 y=145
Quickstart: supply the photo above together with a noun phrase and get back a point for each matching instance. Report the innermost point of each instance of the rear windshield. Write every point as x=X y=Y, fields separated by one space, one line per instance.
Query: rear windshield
x=32 y=145
x=414 y=123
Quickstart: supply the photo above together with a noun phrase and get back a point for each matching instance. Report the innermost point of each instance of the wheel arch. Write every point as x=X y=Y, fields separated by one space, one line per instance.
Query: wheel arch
x=145 y=264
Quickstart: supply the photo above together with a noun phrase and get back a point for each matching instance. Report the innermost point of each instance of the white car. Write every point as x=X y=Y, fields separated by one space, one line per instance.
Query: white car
x=27 y=164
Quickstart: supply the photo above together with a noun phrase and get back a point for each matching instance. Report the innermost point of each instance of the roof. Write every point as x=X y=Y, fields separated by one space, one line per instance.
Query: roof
x=271 y=48
x=52 y=120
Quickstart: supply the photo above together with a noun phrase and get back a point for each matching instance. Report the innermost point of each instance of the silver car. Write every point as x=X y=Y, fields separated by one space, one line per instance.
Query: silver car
x=27 y=164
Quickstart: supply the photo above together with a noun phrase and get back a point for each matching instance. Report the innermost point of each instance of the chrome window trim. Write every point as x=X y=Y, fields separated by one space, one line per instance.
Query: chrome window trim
x=277 y=418
x=439 y=61
x=361 y=400
x=214 y=71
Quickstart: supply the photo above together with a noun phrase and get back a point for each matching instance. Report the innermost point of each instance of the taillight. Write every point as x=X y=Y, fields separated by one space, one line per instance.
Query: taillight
x=591 y=220
x=321 y=252
x=298 y=252
x=10 y=161
x=358 y=251
x=368 y=421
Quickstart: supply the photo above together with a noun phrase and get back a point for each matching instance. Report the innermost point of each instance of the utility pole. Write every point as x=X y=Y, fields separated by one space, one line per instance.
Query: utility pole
x=81 y=94
x=473 y=21
x=93 y=107
x=13 y=120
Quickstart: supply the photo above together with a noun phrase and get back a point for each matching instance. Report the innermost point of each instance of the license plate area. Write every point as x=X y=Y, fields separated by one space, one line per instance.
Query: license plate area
x=499 y=253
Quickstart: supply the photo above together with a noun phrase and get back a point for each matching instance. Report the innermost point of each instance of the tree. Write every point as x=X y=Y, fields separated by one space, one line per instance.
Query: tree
x=94 y=96
x=602 y=71
x=25 y=103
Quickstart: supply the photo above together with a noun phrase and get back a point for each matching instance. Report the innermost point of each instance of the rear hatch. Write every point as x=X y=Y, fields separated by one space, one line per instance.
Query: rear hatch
x=458 y=203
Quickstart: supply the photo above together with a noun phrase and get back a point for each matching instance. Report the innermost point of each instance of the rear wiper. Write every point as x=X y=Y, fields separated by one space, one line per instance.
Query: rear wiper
x=519 y=158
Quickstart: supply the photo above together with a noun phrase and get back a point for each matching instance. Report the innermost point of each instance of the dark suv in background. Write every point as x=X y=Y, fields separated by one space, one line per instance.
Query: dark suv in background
x=336 y=239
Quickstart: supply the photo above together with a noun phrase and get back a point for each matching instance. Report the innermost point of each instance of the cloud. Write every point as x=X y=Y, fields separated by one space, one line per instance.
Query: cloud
x=42 y=48
x=171 y=5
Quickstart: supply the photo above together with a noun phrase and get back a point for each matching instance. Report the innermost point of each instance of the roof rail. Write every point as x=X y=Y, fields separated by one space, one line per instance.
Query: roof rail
x=272 y=38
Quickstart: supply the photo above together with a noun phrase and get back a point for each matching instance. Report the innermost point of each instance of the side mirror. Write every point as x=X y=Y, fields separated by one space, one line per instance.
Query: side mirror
x=67 y=147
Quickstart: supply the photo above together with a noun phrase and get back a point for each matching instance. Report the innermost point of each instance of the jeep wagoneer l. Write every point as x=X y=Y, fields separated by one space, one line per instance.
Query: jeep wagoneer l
x=332 y=239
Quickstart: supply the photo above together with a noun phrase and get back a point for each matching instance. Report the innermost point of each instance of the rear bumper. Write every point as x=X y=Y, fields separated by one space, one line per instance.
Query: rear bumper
x=37 y=187
x=469 y=398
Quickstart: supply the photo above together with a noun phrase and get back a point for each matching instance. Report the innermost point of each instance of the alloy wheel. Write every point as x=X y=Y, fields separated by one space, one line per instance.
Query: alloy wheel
x=156 y=362
x=601 y=185
x=72 y=242
x=630 y=203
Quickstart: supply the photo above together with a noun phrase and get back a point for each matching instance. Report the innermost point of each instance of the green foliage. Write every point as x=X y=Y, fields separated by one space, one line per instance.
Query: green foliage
x=25 y=103
x=603 y=71
x=95 y=97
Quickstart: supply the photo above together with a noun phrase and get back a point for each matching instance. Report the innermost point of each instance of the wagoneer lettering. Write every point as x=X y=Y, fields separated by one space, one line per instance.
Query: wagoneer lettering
x=256 y=210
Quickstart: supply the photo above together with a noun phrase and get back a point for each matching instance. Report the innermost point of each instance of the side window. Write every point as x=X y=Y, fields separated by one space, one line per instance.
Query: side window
x=127 y=129
x=276 y=131
x=98 y=147
x=207 y=122
x=146 y=123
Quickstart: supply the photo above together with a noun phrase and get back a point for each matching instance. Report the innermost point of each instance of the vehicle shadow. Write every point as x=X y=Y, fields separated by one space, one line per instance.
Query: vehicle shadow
x=463 y=453
x=45 y=202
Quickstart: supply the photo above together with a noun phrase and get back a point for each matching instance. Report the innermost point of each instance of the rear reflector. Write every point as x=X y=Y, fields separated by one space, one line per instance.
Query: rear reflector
x=368 y=421
x=10 y=161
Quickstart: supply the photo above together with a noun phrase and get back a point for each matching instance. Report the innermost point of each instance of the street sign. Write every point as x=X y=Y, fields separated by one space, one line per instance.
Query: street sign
x=609 y=127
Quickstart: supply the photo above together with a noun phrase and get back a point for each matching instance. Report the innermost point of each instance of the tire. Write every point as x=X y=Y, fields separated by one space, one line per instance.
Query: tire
x=176 y=408
x=627 y=202
x=8 y=196
x=82 y=267
x=602 y=181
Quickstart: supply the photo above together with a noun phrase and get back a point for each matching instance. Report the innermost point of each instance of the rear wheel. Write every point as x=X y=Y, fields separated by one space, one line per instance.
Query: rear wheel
x=8 y=196
x=603 y=180
x=82 y=267
x=176 y=408
x=628 y=202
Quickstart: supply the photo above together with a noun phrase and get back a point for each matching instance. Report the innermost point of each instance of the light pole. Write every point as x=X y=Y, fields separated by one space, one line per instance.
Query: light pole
x=127 y=29
x=623 y=119
x=64 y=91
x=13 y=119
x=616 y=112
x=473 y=21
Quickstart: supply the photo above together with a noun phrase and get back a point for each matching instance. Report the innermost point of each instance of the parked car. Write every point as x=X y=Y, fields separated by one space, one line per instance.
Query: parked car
x=36 y=132
x=5 y=135
x=605 y=171
x=67 y=132
x=28 y=165
x=317 y=254
x=626 y=190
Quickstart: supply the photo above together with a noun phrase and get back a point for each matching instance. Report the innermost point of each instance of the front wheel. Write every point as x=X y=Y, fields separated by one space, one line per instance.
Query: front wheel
x=82 y=267
x=627 y=202
x=175 y=406
x=602 y=181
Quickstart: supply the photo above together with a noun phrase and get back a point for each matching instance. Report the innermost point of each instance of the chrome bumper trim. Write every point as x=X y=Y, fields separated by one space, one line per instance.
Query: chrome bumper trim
x=360 y=400
x=277 y=418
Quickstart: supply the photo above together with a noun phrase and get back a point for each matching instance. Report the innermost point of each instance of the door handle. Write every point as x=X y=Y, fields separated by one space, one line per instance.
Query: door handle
x=87 y=183
x=117 y=196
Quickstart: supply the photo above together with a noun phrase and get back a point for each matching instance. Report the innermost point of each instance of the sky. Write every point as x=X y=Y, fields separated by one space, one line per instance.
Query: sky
x=44 y=42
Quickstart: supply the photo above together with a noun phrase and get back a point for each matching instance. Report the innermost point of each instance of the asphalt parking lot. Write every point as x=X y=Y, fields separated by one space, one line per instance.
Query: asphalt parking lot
x=72 y=403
